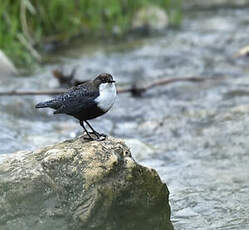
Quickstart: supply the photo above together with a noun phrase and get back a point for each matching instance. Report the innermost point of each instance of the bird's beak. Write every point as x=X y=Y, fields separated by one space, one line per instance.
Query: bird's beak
x=112 y=81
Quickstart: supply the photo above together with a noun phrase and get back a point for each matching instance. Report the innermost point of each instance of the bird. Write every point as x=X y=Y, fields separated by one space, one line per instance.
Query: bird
x=86 y=101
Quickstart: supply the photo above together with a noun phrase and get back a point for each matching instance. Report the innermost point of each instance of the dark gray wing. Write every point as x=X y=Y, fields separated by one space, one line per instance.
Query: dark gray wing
x=76 y=99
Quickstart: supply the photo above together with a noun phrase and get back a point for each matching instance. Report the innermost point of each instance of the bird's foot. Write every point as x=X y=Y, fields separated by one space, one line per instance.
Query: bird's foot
x=88 y=138
x=99 y=136
x=102 y=137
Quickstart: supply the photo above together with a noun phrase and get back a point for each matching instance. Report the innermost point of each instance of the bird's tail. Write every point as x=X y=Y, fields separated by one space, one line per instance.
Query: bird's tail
x=51 y=104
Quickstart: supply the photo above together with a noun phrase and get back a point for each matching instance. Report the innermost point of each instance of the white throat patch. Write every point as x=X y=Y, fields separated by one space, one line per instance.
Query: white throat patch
x=107 y=95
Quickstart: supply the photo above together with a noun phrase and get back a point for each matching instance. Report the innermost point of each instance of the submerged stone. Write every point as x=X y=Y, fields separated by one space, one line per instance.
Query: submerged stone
x=81 y=185
x=152 y=18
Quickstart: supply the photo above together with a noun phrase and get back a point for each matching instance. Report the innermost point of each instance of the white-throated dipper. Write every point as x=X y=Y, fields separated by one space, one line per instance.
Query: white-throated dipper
x=86 y=101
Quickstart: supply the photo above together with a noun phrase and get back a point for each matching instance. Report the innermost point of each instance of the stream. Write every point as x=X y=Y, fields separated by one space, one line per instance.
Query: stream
x=195 y=135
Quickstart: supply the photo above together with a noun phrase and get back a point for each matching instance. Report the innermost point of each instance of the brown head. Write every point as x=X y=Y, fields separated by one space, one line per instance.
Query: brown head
x=103 y=78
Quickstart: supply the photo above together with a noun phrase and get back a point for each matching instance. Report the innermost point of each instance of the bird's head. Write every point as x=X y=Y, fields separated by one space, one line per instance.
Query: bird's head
x=103 y=78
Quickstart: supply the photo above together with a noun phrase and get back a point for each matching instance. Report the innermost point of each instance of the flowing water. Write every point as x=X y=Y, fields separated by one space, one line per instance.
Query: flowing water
x=197 y=132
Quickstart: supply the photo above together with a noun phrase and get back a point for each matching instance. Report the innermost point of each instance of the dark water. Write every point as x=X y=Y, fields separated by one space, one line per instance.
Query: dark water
x=195 y=135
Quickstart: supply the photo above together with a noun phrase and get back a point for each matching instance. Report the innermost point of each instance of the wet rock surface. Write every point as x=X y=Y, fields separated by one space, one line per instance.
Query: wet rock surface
x=81 y=185
x=198 y=132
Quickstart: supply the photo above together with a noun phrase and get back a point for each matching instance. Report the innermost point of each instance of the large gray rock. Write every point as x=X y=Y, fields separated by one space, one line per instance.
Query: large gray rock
x=81 y=185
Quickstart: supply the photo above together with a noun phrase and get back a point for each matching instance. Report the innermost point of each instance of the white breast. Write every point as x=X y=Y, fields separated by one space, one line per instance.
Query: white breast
x=107 y=95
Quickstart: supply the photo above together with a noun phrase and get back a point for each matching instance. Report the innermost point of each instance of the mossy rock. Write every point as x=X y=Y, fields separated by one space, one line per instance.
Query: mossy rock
x=81 y=185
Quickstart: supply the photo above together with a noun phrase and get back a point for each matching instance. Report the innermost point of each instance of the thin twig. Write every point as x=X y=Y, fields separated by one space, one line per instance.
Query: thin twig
x=24 y=23
x=29 y=47
x=135 y=90
x=32 y=92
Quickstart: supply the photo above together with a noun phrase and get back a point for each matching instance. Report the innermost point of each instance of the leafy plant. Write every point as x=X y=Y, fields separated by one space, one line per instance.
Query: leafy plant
x=26 y=24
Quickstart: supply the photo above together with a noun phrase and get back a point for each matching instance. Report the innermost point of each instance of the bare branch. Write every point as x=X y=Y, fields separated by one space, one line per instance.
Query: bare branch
x=32 y=92
x=134 y=90
x=137 y=91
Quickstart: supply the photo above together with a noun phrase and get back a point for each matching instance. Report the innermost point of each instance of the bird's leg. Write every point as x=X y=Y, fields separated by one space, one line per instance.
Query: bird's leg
x=95 y=132
x=82 y=125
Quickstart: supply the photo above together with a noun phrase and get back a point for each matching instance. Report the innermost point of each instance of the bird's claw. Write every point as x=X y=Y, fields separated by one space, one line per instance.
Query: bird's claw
x=99 y=137
x=98 y=134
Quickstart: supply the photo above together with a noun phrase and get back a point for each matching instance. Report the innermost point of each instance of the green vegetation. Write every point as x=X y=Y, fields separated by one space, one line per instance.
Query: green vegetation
x=26 y=24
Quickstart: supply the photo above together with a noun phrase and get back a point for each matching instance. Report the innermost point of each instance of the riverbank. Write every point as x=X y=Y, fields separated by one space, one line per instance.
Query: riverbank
x=29 y=27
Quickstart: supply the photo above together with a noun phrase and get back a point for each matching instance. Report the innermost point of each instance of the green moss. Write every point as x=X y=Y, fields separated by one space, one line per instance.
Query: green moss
x=26 y=24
